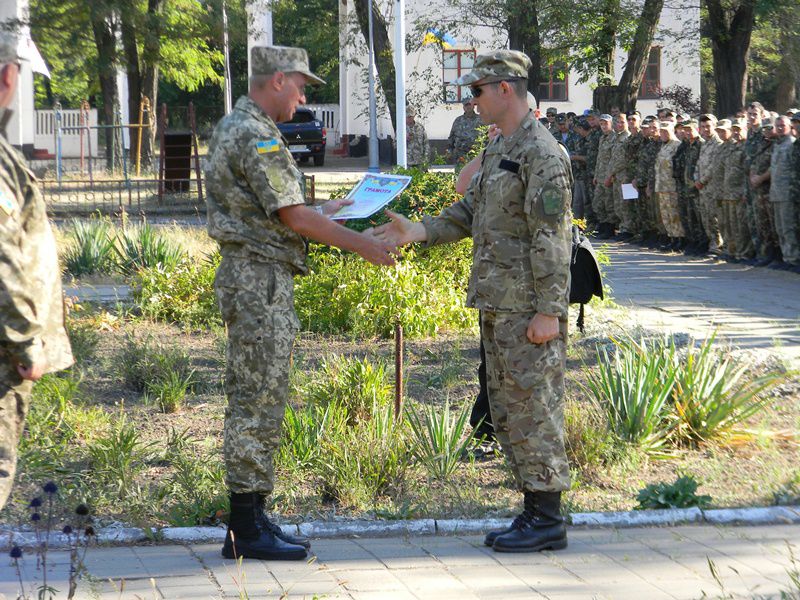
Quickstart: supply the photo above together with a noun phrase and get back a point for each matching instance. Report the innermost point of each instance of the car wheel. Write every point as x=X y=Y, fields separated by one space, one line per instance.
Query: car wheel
x=319 y=160
x=302 y=159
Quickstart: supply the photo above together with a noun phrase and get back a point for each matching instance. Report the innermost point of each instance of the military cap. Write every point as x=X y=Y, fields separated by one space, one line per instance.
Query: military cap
x=689 y=123
x=796 y=117
x=500 y=64
x=410 y=111
x=466 y=100
x=583 y=124
x=767 y=123
x=648 y=119
x=739 y=123
x=605 y=117
x=792 y=112
x=666 y=125
x=708 y=117
x=723 y=124
x=552 y=110
x=561 y=118
x=266 y=60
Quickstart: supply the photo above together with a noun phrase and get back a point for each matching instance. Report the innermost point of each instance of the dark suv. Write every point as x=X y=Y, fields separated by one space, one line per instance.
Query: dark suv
x=305 y=136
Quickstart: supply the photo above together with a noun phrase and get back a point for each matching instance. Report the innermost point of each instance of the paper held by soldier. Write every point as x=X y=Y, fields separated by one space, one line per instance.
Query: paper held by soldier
x=629 y=192
x=371 y=194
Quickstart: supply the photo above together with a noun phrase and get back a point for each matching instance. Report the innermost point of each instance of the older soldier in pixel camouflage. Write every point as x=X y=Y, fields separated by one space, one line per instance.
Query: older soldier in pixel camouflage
x=33 y=340
x=517 y=210
x=463 y=133
x=417 y=150
x=257 y=214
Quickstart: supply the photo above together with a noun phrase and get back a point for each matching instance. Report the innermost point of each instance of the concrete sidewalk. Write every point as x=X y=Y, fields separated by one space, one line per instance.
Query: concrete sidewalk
x=643 y=563
x=751 y=307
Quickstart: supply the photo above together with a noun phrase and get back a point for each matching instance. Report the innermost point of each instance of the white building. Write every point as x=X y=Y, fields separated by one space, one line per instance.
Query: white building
x=20 y=129
x=674 y=60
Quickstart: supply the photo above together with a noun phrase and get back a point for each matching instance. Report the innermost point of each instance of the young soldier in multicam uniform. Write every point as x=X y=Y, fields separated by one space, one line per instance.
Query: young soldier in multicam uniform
x=603 y=199
x=33 y=340
x=704 y=181
x=723 y=130
x=618 y=174
x=759 y=183
x=734 y=205
x=665 y=187
x=417 y=150
x=646 y=177
x=257 y=213
x=698 y=242
x=517 y=212
x=633 y=147
x=592 y=149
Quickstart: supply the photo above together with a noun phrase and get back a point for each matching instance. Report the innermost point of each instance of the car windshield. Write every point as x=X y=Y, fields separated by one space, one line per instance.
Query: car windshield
x=302 y=116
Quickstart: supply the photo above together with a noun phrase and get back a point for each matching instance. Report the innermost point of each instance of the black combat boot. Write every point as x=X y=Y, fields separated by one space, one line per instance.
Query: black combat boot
x=264 y=524
x=247 y=537
x=539 y=527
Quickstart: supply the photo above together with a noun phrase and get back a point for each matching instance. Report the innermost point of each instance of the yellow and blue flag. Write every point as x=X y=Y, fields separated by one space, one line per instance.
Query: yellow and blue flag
x=435 y=36
x=268 y=145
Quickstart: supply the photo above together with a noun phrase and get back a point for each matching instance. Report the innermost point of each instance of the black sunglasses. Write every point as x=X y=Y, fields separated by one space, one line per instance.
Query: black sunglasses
x=477 y=91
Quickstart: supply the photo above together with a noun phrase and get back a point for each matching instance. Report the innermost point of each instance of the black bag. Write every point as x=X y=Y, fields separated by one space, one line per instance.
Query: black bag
x=584 y=272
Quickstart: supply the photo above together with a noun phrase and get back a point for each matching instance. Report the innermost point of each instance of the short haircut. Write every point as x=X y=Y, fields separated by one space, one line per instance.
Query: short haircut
x=258 y=82
x=520 y=87
x=756 y=106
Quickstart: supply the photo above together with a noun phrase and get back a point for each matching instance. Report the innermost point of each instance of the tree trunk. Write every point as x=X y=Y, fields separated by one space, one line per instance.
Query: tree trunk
x=523 y=35
x=104 y=31
x=384 y=60
x=604 y=97
x=730 y=45
x=607 y=42
x=131 y=50
x=631 y=79
x=785 y=94
x=151 y=54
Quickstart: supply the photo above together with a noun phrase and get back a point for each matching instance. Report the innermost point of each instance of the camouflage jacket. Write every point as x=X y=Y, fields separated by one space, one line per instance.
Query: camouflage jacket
x=704 y=172
x=781 y=169
x=733 y=187
x=691 y=158
x=602 y=168
x=633 y=147
x=679 y=167
x=665 y=182
x=570 y=140
x=760 y=163
x=31 y=300
x=593 y=147
x=579 y=168
x=646 y=168
x=720 y=167
x=250 y=175
x=795 y=186
x=463 y=134
x=619 y=159
x=517 y=210
x=416 y=144
x=752 y=147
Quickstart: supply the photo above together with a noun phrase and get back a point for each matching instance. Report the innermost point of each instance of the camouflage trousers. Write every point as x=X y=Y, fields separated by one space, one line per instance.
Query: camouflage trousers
x=785 y=219
x=644 y=220
x=670 y=214
x=579 y=199
x=257 y=305
x=765 y=227
x=727 y=212
x=603 y=204
x=588 y=207
x=695 y=231
x=735 y=232
x=15 y=394
x=709 y=214
x=526 y=397
x=624 y=209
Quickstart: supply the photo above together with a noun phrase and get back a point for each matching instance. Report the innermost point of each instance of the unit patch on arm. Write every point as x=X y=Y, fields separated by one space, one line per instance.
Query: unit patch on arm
x=266 y=146
x=7 y=201
x=552 y=200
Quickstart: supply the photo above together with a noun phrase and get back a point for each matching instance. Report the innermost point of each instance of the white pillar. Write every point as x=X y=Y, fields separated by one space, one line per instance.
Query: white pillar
x=400 y=80
x=20 y=129
x=259 y=26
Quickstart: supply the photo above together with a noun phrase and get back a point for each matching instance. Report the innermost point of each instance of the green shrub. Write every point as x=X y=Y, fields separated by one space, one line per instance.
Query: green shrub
x=169 y=391
x=83 y=338
x=355 y=384
x=713 y=394
x=143 y=365
x=633 y=388
x=303 y=431
x=680 y=494
x=92 y=248
x=117 y=457
x=440 y=439
x=587 y=439
x=183 y=295
x=143 y=248
x=358 y=463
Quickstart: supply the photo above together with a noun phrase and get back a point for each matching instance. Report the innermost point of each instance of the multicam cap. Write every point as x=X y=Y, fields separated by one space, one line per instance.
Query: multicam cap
x=738 y=123
x=723 y=124
x=500 y=64
x=708 y=117
x=583 y=124
x=690 y=123
x=266 y=60
x=551 y=110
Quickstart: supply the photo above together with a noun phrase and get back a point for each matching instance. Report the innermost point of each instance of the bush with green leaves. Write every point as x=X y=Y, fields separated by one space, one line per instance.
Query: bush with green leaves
x=183 y=295
x=680 y=494
x=440 y=439
x=118 y=457
x=141 y=247
x=91 y=249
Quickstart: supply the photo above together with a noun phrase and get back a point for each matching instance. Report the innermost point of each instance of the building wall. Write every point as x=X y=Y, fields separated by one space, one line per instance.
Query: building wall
x=21 y=127
x=680 y=64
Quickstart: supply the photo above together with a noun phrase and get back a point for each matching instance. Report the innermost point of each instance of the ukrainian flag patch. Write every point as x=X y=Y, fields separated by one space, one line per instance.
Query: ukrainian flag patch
x=7 y=203
x=266 y=146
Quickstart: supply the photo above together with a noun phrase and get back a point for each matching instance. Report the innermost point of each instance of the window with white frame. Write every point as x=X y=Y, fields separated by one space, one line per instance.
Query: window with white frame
x=455 y=63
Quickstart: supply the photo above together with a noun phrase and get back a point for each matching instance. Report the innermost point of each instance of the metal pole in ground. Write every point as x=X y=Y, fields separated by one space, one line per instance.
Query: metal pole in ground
x=400 y=80
x=398 y=370
x=57 y=109
x=373 y=111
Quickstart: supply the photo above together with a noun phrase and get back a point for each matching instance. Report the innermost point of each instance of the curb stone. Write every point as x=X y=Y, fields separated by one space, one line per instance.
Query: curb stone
x=777 y=515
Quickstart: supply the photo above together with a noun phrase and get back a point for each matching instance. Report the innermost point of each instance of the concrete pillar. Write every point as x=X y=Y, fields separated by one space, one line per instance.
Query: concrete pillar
x=20 y=129
x=259 y=26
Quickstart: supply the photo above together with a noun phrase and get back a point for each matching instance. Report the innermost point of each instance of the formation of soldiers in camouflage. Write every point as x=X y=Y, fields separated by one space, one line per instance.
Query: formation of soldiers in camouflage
x=722 y=188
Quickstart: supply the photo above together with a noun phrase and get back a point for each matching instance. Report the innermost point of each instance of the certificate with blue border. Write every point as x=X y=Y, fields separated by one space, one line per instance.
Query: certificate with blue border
x=371 y=194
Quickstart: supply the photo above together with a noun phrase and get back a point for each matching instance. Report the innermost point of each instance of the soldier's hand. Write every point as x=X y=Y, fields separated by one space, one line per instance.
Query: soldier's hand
x=609 y=181
x=32 y=373
x=634 y=184
x=376 y=251
x=493 y=132
x=400 y=231
x=333 y=206
x=542 y=328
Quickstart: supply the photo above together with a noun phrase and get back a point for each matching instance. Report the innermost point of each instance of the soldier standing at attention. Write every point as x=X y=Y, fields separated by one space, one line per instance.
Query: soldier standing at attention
x=603 y=200
x=463 y=134
x=417 y=152
x=632 y=149
x=760 y=184
x=592 y=148
x=757 y=152
x=33 y=340
x=580 y=173
x=551 y=114
x=734 y=204
x=704 y=182
x=723 y=130
x=678 y=170
x=665 y=186
x=698 y=243
x=257 y=214
x=784 y=209
x=517 y=212
x=618 y=173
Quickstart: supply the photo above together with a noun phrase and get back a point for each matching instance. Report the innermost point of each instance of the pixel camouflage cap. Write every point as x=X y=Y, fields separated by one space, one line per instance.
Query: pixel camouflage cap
x=267 y=60
x=500 y=64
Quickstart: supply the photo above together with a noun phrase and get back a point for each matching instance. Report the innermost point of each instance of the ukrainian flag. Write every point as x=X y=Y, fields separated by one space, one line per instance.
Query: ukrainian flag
x=434 y=36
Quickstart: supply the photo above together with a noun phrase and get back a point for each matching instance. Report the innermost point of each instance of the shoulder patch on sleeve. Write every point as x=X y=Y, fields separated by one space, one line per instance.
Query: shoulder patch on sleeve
x=7 y=199
x=268 y=145
x=553 y=202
